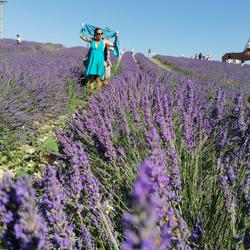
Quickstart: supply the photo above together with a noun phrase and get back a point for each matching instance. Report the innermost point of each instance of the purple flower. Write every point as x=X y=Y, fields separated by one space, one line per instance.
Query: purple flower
x=167 y=133
x=24 y=228
x=170 y=222
x=60 y=230
x=239 y=114
x=197 y=235
x=85 y=241
x=140 y=226
x=218 y=108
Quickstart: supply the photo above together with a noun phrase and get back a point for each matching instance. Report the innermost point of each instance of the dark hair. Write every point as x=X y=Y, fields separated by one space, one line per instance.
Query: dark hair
x=97 y=29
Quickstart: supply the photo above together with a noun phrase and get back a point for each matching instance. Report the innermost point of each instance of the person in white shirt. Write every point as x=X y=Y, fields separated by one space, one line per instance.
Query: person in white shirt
x=108 y=65
x=18 y=39
x=149 y=52
x=242 y=56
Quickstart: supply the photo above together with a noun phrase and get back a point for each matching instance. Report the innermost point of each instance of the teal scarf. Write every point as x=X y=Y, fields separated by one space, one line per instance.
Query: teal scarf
x=88 y=31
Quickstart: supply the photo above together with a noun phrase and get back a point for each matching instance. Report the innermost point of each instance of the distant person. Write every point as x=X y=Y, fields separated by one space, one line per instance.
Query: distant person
x=200 y=56
x=107 y=65
x=122 y=53
x=107 y=60
x=132 y=51
x=149 y=52
x=18 y=39
x=96 y=63
x=242 y=56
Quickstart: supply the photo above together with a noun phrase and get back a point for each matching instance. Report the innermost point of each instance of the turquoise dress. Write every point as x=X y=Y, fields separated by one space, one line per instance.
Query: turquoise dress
x=96 y=59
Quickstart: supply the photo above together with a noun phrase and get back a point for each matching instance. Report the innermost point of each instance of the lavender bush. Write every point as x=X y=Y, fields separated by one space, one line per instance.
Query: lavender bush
x=40 y=86
x=158 y=160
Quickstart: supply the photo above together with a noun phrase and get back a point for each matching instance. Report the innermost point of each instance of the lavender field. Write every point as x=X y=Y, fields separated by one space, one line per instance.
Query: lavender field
x=158 y=159
x=39 y=85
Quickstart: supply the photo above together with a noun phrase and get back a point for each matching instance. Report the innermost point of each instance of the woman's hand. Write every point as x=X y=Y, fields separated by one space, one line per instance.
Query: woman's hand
x=86 y=39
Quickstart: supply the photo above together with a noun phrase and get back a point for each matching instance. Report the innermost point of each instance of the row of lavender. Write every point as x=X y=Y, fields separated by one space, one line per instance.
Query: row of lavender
x=8 y=45
x=231 y=81
x=212 y=70
x=179 y=148
x=34 y=83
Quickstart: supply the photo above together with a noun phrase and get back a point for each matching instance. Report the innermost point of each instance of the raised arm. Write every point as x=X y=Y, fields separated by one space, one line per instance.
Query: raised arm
x=86 y=39
x=108 y=43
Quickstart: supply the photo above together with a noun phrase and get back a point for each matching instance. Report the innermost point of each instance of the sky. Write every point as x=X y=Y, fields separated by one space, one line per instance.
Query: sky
x=167 y=27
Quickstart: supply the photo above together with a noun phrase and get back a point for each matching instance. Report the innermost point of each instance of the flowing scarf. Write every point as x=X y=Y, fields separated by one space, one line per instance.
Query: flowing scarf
x=88 y=30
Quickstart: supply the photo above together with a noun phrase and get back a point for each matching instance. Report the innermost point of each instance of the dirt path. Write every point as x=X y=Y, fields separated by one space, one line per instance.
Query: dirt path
x=156 y=61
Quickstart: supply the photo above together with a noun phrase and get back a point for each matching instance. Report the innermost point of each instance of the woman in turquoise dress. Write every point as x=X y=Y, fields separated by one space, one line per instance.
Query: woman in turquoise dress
x=95 y=69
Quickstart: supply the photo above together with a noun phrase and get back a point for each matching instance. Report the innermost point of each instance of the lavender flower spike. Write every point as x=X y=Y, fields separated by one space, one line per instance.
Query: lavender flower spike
x=52 y=207
x=140 y=227
x=23 y=228
x=30 y=229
